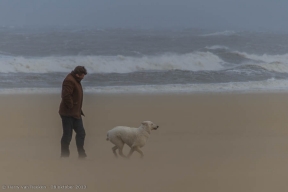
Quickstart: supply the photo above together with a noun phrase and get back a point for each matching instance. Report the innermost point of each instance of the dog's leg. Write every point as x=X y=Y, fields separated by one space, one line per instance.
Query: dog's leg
x=121 y=150
x=139 y=151
x=135 y=149
x=114 y=150
x=119 y=144
x=131 y=151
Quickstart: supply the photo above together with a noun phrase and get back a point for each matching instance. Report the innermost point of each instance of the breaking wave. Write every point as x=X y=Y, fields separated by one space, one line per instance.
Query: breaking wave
x=197 y=61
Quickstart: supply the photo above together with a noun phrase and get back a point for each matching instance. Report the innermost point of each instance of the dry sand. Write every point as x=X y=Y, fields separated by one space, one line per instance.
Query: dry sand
x=205 y=143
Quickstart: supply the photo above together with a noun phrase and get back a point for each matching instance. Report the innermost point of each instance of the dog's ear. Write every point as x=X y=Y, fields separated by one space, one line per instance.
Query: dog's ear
x=144 y=123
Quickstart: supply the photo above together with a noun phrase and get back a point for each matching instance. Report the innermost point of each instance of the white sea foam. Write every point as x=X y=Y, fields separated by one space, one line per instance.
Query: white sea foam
x=213 y=47
x=222 y=33
x=277 y=63
x=196 y=61
x=112 y=64
x=14 y=91
x=255 y=86
x=270 y=85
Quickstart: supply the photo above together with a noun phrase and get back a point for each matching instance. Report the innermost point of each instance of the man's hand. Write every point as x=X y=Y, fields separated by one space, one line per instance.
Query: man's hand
x=82 y=113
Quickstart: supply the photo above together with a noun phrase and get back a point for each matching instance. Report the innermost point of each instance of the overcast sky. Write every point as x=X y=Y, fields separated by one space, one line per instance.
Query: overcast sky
x=212 y=14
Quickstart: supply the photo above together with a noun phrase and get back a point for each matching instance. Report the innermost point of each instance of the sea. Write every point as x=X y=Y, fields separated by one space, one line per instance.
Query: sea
x=120 y=60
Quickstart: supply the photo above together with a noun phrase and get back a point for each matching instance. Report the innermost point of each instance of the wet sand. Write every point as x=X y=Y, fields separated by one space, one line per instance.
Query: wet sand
x=206 y=142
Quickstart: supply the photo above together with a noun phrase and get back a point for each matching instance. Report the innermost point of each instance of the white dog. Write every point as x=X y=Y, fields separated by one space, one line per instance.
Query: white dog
x=135 y=138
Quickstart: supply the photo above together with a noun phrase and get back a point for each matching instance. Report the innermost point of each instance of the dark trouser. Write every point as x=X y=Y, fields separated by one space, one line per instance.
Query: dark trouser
x=69 y=124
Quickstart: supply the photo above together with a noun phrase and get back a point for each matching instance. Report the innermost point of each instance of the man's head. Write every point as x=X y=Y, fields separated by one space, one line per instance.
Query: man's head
x=79 y=72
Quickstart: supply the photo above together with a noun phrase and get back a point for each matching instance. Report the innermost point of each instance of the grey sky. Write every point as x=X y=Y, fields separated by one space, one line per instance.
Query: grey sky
x=216 y=14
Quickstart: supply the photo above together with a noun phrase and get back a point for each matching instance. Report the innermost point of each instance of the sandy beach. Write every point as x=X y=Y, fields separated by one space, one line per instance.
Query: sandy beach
x=206 y=142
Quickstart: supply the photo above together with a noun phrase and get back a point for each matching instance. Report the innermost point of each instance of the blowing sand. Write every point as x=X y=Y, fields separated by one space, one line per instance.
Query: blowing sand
x=205 y=143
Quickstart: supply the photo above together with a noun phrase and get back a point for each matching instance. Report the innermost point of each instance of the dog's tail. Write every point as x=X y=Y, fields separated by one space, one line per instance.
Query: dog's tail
x=107 y=139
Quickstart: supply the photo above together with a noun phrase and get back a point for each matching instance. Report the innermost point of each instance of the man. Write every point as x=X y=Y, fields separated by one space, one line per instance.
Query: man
x=70 y=111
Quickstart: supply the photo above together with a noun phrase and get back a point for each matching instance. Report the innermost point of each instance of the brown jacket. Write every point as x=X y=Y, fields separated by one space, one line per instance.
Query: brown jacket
x=72 y=97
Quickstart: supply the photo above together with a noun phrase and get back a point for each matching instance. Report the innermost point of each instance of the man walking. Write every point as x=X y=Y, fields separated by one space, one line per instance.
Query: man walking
x=70 y=111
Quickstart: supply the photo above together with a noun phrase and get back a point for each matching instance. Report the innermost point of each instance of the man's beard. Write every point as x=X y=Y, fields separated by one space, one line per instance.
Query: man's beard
x=78 y=79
